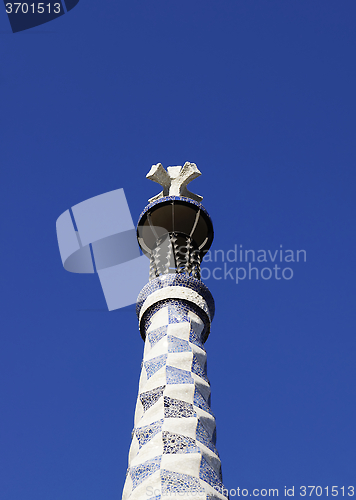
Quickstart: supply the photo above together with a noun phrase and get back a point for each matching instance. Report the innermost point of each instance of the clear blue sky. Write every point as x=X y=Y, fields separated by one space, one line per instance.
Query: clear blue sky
x=261 y=96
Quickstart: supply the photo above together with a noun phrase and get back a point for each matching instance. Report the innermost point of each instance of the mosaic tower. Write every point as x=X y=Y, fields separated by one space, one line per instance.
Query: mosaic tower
x=173 y=452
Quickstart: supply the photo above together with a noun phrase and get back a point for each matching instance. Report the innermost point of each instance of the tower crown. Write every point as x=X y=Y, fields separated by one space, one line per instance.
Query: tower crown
x=175 y=230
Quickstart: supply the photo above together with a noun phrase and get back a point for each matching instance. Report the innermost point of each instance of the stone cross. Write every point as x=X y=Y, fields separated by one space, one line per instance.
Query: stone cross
x=175 y=180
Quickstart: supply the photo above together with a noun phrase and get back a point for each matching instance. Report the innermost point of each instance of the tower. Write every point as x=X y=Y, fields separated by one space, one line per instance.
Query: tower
x=173 y=451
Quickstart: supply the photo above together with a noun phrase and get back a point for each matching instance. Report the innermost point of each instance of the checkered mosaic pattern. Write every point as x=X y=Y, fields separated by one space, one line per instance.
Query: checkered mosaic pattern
x=173 y=452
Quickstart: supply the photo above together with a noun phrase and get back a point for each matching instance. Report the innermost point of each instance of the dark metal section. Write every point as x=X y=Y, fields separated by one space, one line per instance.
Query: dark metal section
x=174 y=214
x=175 y=233
x=175 y=253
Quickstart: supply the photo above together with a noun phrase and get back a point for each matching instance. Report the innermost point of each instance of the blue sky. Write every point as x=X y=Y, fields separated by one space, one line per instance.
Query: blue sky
x=261 y=96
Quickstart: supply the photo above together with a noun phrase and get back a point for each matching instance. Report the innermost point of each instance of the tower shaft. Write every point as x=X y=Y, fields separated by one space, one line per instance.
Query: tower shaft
x=173 y=450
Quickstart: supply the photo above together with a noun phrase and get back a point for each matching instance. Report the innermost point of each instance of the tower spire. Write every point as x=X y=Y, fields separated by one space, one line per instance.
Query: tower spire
x=173 y=451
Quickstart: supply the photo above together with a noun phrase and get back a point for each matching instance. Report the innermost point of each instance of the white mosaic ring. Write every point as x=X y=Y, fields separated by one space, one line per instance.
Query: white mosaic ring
x=175 y=287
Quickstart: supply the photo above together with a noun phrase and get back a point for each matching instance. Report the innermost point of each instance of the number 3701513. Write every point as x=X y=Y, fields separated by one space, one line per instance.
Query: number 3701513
x=39 y=8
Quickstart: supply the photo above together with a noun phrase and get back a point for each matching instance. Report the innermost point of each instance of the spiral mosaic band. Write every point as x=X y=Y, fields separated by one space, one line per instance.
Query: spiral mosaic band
x=177 y=280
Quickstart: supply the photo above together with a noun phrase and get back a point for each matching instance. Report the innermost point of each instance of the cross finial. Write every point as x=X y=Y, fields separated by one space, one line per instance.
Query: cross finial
x=175 y=180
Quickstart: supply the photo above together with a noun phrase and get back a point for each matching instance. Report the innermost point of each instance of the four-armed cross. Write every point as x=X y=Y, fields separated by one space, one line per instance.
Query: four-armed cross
x=175 y=180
